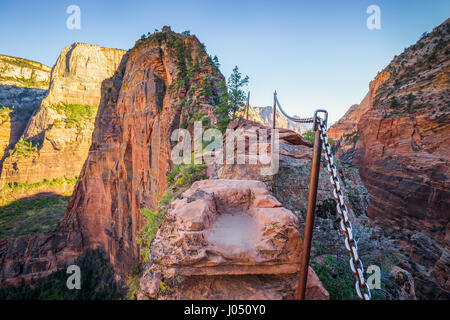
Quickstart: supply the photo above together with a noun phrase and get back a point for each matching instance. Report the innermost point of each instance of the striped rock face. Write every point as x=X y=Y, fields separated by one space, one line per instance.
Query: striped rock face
x=61 y=128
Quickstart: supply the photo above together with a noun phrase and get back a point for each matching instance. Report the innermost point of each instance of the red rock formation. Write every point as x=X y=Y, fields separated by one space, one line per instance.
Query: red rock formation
x=148 y=97
x=62 y=134
x=23 y=85
x=227 y=234
x=130 y=152
x=399 y=141
x=32 y=256
x=346 y=128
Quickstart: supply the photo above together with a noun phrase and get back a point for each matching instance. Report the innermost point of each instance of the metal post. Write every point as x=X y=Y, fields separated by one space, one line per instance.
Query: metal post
x=274 y=119
x=248 y=103
x=314 y=179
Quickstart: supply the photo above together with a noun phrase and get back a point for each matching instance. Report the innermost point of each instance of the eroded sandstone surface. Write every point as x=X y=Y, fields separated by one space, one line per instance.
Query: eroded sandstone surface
x=23 y=85
x=56 y=140
x=147 y=97
x=130 y=153
x=227 y=239
x=165 y=82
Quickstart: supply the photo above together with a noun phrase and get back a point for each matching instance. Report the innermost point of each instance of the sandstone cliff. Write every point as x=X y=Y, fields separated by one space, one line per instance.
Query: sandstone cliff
x=21 y=72
x=23 y=85
x=398 y=137
x=57 y=138
x=227 y=239
x=165 y=82
x=158 y=86
x=150 y=96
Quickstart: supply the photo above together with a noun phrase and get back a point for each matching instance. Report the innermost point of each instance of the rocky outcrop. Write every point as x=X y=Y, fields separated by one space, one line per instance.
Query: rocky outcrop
x=130 y=152
x=148 y=97
x=290 y=182
x=58 y=135
x=23 y=85
x=399 y=141
x=19 y=72
x=165 y=82
x=227 y=239
x=79 y=72
x=290 y=185
x=264 y=115
x=34 y=256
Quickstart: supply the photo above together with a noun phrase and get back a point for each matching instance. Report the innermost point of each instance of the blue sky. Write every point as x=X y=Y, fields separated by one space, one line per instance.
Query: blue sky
x=314 y=53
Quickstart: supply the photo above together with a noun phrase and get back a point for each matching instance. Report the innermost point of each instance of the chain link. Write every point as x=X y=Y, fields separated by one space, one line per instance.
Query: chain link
x=298 y=120
x=361 y=287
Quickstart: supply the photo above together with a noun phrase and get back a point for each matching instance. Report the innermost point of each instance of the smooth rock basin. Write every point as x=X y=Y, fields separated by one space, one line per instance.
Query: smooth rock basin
x=234 y=230
x=227 y=239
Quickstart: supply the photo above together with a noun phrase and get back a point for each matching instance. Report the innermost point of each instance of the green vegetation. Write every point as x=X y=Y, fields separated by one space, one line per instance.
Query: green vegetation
x=97 y=283
x=236 y=95
x=394 y=103
x=309 y=136
x=133 y=282
x=23 y=149
x=18 y=187
x=216 y=62
x=231 y=100
x=181 y=54
x=23 y=63
x=352 y=138
x=5 y=114
x=31 y=216
x=26 y=82
x=186 y=174
x=180 y=179
x=336 y=277
x=410 y=100
x=76 y=115
x=153 y=219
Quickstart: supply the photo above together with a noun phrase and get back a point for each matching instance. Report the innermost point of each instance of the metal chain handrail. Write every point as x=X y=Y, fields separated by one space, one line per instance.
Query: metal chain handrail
x=346 y=226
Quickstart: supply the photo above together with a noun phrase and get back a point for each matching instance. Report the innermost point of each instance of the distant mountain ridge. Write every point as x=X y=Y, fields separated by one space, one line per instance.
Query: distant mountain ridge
x=23 y=72
x=264 y=115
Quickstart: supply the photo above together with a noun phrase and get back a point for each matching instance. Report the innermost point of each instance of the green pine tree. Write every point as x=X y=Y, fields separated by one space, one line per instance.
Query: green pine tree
x=236 y=95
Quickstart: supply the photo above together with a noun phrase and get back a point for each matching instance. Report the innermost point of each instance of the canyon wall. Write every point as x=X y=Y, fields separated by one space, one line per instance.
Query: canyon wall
x=56 y=140
x=24 y=73
x=23 y=85
x=198 y=260
x=398 y=138
x=149 y=97
x=165 y=82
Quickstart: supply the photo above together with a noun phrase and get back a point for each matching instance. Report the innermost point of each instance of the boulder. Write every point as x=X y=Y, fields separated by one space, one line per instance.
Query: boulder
x=227 y=239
